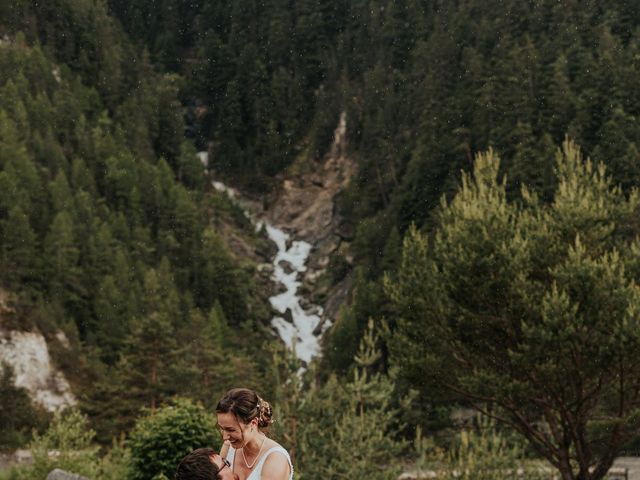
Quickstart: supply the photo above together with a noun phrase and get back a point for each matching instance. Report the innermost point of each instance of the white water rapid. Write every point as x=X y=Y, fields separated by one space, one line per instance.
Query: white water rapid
x=295 y=325
x=297 y=329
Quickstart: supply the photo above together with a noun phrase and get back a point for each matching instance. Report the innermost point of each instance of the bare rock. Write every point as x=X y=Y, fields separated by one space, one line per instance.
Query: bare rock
x=317 y=181
x=310 y=278
x=304 y=204
x=418 y=475
x=310 y=308
x=265 y=268
x=337 y=296
x=346 y=232
x=28 y=354
x=288 y=315
x=58 y=474
x=279 y=288
x=286 y=266
x=323 y=325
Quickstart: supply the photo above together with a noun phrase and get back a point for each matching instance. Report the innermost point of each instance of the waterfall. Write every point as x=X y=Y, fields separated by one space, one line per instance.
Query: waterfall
x=295 y=325
x=296 y=330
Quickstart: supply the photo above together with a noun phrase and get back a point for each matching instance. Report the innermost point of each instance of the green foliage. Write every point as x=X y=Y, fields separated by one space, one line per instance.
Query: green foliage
x=116 y=463
x=474 y=77
x=97 y=190
x=161 y=438
x=17 y=414
x=205 y=364
x=343 y=340
x=511 y=300
x=19 y=258
x=343 y=430
x=67 y=444
x=480 y=452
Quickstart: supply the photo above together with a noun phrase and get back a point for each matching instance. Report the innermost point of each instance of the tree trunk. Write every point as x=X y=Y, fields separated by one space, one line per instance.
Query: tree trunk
x=154 y=381
x=381 y=187
x=565 y=466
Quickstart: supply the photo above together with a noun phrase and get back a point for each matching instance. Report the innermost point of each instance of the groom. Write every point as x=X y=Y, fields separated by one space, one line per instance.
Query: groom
x=204 y=464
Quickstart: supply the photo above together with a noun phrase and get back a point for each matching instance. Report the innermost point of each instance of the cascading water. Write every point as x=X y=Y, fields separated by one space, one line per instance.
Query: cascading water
x=298 y=333
x=296 y=325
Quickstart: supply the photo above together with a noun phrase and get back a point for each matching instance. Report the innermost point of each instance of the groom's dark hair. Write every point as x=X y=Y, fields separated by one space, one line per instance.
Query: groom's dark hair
x=197 y=465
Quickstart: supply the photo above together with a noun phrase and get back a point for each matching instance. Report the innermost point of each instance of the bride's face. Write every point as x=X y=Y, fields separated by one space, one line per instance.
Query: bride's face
x=232 y=431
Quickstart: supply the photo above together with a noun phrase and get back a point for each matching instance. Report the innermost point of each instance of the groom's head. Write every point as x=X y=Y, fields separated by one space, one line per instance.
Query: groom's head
x=203 y=464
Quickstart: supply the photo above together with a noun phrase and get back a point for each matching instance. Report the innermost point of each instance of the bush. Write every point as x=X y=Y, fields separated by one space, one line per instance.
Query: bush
x=18 y=416
x=11 y=474
x=67 y=444
x=160 y=439
x=345 y=428
x=480 y=453
x=115 y=465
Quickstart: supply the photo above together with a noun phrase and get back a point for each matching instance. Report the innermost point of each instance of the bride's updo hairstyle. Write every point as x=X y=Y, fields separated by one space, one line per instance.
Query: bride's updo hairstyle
x=246 y=405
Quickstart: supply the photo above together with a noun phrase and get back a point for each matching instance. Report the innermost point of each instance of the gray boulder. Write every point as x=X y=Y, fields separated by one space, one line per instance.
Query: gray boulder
x=58 y=474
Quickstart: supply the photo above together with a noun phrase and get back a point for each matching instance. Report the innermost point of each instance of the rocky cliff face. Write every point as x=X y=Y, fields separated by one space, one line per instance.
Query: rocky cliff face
x=27 y=353
x=304 y=206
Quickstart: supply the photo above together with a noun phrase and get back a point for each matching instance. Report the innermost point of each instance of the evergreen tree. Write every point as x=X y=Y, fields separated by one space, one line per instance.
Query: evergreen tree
x=61 y=197
x=61 y=257
x=19 y=250
x=17 y=414
x=112 y=323
x=330 y=419
x=619 y=132
x=151 y=346
x=561 y=99
x=513 y=300
x=205 y=367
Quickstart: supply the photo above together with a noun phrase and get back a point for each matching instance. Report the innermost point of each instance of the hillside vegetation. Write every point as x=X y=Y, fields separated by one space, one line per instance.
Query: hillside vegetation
x=110 y=231
x=107 y=223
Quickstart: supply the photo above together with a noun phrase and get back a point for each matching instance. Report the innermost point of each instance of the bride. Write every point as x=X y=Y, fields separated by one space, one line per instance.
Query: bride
x=242 y=419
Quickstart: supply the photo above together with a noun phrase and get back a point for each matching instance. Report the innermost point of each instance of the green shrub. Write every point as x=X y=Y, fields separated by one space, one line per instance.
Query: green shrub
x=480 y=453
x=18 y=416
x=160 y=439
x=115 y=465
x=10 y=474
x=67 y=444
x=346 y=428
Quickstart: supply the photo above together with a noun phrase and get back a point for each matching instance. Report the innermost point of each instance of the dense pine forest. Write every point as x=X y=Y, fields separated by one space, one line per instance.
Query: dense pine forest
x=492 y=225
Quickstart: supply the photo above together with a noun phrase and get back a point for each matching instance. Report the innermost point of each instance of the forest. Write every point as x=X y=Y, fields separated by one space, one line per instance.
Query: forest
x=494 y=317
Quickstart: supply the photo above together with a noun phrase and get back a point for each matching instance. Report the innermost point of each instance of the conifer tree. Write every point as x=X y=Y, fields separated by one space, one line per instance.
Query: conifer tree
x=150 y=348
x=61 y=257
x=111 y=324
x=17 y=414
x=531 y=309
x=347 y=430
x=561 y=99
x=18 y=245
x=61 y=197
x=204 y=367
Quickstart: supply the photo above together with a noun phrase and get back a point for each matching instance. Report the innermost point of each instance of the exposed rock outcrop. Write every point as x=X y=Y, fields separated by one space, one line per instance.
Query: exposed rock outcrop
x=304 y=206
x=27 y=353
